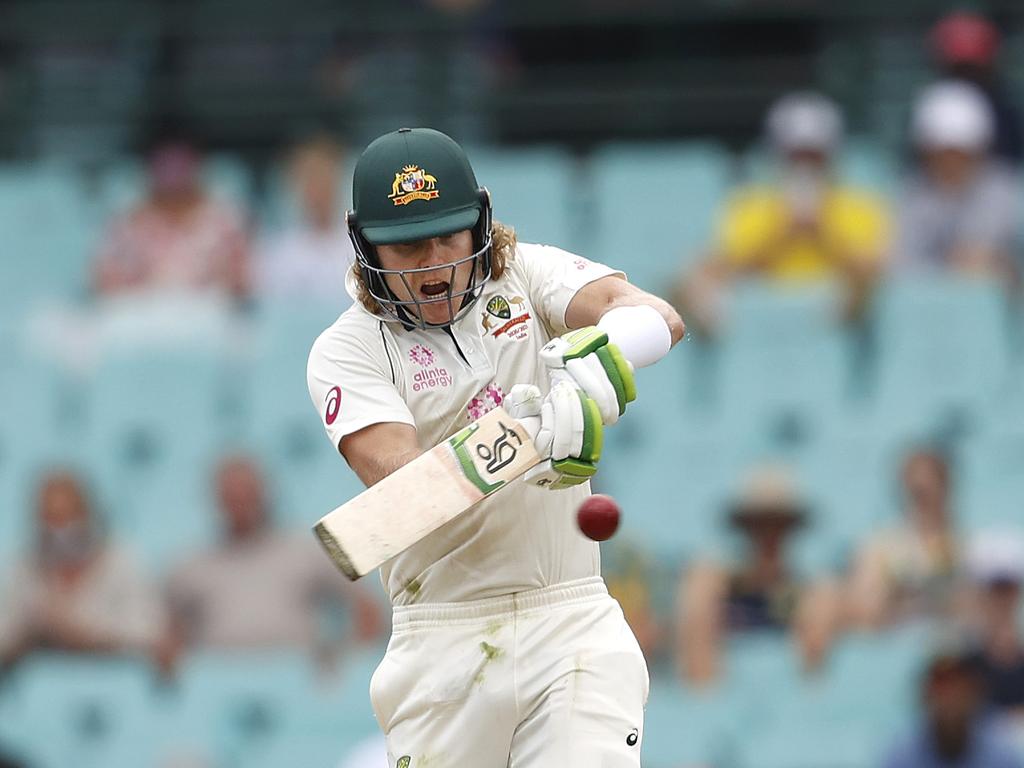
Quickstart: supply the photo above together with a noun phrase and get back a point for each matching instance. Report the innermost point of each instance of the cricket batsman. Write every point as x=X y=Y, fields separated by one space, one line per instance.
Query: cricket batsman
x=506 y=649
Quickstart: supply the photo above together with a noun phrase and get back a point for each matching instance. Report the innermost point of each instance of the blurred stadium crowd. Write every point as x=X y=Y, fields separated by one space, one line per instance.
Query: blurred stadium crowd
x=823 y=549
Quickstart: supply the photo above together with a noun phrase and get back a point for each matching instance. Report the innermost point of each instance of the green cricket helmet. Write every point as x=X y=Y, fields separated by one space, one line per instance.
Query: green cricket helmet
x=414 y=184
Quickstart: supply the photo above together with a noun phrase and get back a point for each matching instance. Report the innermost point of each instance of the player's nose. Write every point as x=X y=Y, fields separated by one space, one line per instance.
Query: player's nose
x=432 y=254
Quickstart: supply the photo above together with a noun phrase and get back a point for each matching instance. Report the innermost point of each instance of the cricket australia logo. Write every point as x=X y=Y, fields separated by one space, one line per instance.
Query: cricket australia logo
x=429 y=376
x=413 y=183
x=497 y=317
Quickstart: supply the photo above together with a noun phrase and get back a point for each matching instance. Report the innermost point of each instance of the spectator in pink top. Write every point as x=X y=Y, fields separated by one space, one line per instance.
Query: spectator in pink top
x=178 y=238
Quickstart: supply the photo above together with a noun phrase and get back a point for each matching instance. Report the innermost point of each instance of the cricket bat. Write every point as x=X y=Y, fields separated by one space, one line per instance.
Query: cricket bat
x=431 y=490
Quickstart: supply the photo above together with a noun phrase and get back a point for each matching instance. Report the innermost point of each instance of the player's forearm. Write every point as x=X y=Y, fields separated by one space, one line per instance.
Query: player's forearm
x=373 y=469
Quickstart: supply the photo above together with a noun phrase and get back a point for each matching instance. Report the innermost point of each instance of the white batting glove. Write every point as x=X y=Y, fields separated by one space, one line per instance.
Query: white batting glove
x=586 y=358
x=566 y=430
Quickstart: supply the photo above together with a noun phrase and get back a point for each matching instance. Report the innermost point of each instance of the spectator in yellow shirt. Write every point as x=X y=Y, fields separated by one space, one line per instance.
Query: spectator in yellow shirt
x=804 y=227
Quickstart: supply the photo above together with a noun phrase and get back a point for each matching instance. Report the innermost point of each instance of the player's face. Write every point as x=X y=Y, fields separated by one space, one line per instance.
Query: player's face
x=432 y=287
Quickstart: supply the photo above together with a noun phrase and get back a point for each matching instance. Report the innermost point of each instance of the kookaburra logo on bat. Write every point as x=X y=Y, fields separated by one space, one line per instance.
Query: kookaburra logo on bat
x=502 y=452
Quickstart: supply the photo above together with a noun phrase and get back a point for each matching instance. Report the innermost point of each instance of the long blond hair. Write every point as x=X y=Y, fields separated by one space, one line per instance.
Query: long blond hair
x=503 y=249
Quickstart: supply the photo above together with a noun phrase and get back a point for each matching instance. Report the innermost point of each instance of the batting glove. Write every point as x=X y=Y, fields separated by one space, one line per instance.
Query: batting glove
x=586 y=359
x=566 y=430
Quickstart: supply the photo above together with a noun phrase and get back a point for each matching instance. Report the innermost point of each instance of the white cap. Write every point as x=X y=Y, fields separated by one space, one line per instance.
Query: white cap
x=804 y=120
x=952 y=114
x=996 y=555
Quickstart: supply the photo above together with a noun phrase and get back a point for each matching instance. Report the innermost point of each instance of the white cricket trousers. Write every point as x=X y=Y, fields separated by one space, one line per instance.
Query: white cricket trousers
x=548 y=678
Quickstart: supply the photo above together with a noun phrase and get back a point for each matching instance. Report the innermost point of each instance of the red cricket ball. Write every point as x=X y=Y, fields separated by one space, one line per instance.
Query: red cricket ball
x=598 y=517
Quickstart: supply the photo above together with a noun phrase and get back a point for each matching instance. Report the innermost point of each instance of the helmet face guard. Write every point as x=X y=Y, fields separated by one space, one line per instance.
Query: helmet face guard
x=409 y=312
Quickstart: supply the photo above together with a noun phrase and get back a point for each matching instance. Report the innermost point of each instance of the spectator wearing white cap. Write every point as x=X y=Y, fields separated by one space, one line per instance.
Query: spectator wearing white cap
x=959 y=209
x=965 y=46
x=995 y=563
x=804 y=226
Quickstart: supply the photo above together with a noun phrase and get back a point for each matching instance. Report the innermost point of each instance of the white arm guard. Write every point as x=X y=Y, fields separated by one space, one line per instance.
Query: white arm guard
x=640 y=333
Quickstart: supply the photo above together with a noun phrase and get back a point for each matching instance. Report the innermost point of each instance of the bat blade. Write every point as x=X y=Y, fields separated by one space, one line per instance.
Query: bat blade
x=433 y=489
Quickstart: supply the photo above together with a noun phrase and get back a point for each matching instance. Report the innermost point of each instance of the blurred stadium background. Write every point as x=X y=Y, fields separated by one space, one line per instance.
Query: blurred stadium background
x=616 y=130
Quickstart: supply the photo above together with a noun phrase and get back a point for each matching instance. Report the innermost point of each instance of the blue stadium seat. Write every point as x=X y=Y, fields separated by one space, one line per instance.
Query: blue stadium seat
x=654 y=207
x=233 y=704
x=872 y=677
x=310 y=476
x=670 y=471
x=685 y=727
x=758 y=661
x=942 y=350
x=35 y=432
x=337 y=717
x=48 y=233
x=848 y=475
x=844 y=715
x=804 y=743
x=863 y=162
x=783 y=357
x=157 y=424
x=990 y=483
x=534 y=190
x=229 y=178
x=86 y=712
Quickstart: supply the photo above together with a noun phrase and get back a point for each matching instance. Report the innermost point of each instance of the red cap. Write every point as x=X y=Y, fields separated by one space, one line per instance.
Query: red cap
x=965 y=38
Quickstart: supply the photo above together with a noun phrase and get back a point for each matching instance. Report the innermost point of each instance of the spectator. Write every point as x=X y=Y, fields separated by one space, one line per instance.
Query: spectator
x=258 y=588
x=995 y=562
x=965 y=46
x=311 y=259
x=804 y=227
x=178 y=239
x=759 y=592
x=79 y=591
x=954 y=730
x=959 y=209
x=909 y=571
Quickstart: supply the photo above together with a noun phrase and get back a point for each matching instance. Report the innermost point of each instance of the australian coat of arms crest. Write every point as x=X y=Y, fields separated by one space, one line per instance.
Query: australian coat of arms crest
x=413 y=183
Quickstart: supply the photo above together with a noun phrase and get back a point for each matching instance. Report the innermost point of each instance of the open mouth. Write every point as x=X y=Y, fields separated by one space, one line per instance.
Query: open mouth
x=436 y=288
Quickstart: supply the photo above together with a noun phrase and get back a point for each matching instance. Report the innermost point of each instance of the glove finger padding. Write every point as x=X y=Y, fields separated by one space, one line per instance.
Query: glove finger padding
x=565 y=417
x=571 y=423
x=595 y=366
x=589 y=375
x=524 y=403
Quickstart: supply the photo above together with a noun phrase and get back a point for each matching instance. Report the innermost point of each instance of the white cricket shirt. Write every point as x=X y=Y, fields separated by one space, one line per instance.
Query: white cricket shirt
x=366 y=369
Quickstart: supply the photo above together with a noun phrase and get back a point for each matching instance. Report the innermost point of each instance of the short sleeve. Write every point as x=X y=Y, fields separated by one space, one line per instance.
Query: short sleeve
x=554 y=276
x=351 y=381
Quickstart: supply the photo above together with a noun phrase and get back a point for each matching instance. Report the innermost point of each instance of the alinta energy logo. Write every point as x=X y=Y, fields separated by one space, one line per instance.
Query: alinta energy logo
x=429 y=376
